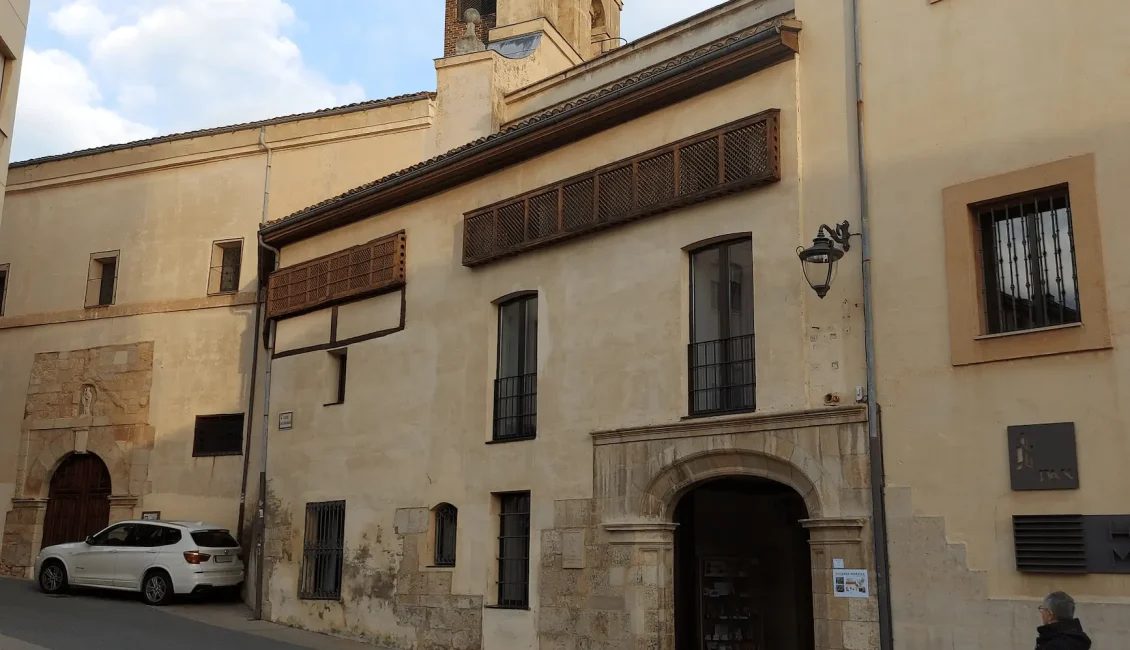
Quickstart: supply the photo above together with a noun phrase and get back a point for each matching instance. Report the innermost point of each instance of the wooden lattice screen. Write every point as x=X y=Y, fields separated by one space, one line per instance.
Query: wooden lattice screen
x=729 y=159
x=367 y=269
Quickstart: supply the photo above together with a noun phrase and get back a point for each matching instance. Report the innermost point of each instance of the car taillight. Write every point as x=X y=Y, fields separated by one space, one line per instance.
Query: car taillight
x=196 y=557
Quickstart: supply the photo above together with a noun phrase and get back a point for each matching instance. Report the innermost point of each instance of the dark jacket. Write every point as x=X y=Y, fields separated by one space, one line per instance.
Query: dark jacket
x=1063 y=635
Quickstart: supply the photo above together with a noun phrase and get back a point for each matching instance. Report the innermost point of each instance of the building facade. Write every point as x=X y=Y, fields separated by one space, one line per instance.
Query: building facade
x=13 y=30
x=555 y=378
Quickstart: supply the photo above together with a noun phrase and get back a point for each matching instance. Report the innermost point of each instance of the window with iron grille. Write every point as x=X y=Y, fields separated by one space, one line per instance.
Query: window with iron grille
x=516 y=389
x=218 y=435
x=446 y=522
x=721 y=351
x=322 y=551
x=1029 y=279
x=227 y=257
x=514 y=550
x=484 y=7
x=3 y=286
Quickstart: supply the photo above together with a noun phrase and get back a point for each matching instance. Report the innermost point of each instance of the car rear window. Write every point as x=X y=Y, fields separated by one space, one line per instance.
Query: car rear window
x=214 y=539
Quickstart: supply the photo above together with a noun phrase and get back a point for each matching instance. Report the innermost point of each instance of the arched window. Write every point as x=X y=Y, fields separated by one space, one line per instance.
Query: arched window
x=597 y=14
x=446 y=517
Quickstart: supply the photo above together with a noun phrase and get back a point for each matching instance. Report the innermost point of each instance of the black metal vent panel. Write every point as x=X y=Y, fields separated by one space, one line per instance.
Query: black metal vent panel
x=1049 y=543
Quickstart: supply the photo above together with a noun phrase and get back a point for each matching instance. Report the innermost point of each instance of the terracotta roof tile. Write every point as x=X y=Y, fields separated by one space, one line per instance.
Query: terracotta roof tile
x=324 y=112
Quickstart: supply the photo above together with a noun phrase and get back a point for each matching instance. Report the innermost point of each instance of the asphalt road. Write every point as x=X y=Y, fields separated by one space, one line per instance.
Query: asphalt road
x=94 y=620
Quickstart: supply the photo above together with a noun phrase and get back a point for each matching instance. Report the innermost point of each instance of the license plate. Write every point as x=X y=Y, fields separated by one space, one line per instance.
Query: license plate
x=221 y=559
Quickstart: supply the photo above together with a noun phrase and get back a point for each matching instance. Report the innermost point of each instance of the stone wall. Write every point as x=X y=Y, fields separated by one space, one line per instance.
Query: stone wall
x=939 y=603
x=80 y=401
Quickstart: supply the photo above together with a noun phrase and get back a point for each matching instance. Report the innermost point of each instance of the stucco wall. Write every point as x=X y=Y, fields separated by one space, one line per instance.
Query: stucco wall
x=612 y=336
x=13 y=30
x=162 y=206
x=957 y=92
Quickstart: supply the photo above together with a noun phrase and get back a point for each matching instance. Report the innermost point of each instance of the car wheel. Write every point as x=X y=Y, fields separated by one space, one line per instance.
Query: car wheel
x=53 y=578
x=157 y=589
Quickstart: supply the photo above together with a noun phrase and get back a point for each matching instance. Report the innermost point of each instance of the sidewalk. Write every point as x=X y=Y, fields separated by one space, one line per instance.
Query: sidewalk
x=237 y=617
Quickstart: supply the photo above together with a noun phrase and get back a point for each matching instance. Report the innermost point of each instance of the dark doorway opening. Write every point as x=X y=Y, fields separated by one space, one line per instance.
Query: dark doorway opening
x=743 y=576
x=78 y=503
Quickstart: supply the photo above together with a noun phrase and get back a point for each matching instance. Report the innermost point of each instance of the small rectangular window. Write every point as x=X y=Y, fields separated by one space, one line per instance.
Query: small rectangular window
x=3 y=286
x=721 y=352
x=340 y=359
x=322 y=551
x=1027 y=256
x=102 y=279
x=227 y=257
x=446 y=522
x=514 y=550
x=516 y=388
x=218 y=435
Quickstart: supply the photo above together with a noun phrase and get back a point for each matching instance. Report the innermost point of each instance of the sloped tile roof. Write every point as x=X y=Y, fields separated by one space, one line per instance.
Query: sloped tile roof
x=639 y=77
x=324 y=112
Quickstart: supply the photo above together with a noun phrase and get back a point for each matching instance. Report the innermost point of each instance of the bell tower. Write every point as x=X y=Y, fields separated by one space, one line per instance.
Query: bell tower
x=590 y=27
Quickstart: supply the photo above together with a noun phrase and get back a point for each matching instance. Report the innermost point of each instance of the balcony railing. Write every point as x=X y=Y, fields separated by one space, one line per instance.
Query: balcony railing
x=722 y=375
x=515 y=407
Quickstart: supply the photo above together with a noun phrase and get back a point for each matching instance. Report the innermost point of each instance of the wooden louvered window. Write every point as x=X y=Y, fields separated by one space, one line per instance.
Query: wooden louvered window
x=368 y=269
x=729 y=159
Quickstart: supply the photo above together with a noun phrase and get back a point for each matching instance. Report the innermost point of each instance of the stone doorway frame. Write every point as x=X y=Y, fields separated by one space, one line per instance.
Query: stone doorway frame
x=642 y=473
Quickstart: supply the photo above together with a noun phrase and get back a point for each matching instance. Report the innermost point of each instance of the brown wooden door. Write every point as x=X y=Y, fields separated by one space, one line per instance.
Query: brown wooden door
x=78 y=504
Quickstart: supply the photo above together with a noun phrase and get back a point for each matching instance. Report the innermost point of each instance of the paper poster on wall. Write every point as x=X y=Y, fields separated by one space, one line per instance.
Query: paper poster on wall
x=837 y=563
x=850 y=583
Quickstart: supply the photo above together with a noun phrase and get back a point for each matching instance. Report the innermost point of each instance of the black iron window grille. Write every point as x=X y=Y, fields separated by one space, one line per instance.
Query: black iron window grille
x=1029 y=278
x=516 y=389
x=218 y=435
x=514 y=551
x=322 y=551
x=447 y=519
x=721 y=352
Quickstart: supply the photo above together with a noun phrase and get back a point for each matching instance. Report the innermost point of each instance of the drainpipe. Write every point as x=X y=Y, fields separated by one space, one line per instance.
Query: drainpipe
x=260 y=297
x=261 y=509
x=874 y=430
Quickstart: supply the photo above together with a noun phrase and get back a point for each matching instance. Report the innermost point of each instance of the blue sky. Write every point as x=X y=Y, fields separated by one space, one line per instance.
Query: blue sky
x=104 y=71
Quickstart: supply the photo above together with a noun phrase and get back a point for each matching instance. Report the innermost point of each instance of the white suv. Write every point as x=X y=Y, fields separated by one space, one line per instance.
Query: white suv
x=157 y=558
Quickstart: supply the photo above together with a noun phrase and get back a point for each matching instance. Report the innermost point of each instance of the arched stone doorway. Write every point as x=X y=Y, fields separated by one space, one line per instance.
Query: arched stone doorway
x=78 y=501
x=742 y=568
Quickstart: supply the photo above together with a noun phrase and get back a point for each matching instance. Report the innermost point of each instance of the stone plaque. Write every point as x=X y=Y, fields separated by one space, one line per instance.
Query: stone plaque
x=1043 y=457
x=573 y=549
x=286 y=421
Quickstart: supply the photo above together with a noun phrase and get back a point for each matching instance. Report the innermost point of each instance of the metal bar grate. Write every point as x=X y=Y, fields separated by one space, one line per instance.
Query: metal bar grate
x=1049 y=543
x=722 y=161
x=322 y=551
x=514 y=551
x=218 y=435
x=1029 y=279
x=722 y=375
x=516 y=407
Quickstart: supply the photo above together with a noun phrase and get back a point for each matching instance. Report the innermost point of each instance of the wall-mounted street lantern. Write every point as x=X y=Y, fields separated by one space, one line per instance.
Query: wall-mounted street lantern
x=819 y=260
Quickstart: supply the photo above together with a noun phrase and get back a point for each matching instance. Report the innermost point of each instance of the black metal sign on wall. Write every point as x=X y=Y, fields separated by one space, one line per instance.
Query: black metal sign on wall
x=1043 y=457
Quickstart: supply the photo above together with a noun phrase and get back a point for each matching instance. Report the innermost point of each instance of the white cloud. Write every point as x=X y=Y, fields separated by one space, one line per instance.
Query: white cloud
x=82 y=18
x=59 y=109
x=167 y=66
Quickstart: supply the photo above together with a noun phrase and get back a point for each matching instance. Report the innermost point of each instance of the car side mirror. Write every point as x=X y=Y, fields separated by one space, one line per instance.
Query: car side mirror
x=90 y=540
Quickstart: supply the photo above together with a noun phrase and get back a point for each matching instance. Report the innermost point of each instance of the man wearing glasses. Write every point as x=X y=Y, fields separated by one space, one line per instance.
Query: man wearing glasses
x=1061 y=630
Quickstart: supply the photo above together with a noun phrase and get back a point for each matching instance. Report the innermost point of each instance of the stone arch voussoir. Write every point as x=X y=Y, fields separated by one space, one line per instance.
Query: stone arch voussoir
x=679 y=475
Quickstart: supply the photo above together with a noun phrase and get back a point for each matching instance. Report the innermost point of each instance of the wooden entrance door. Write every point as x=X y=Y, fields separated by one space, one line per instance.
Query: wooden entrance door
x=78 y=504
